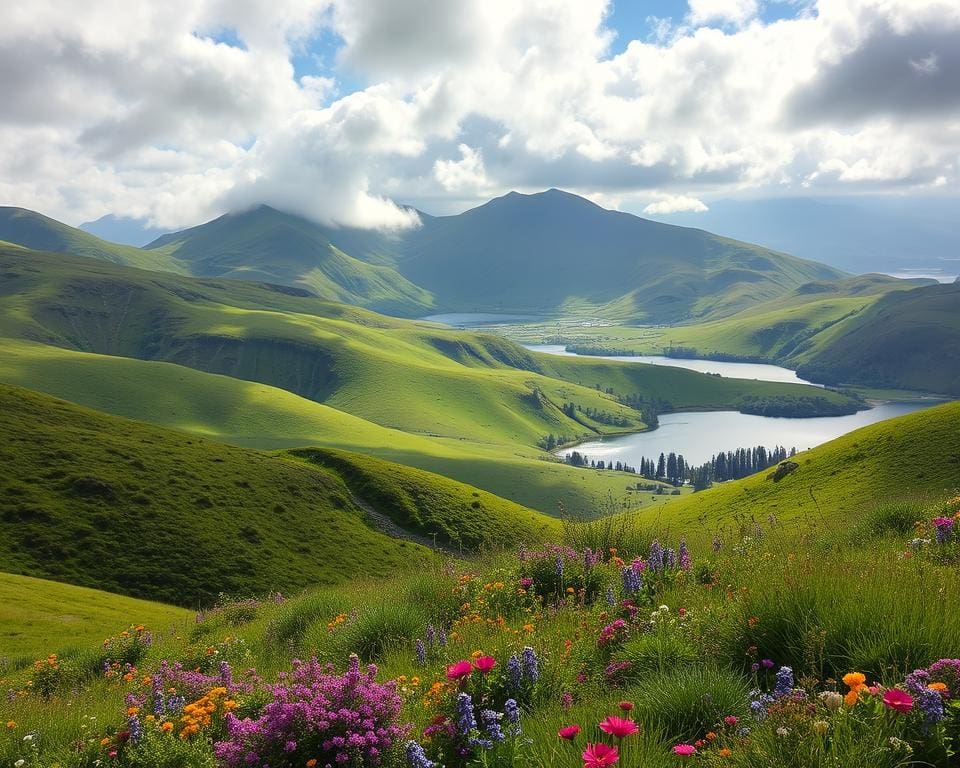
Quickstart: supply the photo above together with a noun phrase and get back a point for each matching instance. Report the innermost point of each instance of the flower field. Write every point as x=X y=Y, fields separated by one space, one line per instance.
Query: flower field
x=760 y=648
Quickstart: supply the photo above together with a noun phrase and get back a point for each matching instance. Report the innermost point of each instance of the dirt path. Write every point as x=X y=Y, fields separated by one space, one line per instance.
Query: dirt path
x=387 y=526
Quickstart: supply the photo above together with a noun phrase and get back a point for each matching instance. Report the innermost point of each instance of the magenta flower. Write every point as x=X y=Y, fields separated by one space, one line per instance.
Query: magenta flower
x=485 y=663
x=897 y=700
x=599 y=755
x=569 y=732
x=618 y=726
x=459 y=670
x=684 y=750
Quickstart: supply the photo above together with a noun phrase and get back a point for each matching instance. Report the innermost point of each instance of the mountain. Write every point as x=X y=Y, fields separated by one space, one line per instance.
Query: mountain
x=33 y=230
x=123 y=229
x=554 y=251
x=896 y=236
x=904 y=340
x=551 y=252
x=266 y=245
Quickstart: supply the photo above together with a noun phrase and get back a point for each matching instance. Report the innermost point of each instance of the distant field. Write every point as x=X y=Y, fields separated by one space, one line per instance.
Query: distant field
x=38 y=617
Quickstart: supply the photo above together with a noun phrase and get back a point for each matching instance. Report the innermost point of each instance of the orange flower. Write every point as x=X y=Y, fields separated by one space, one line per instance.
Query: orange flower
x=167 y=727
x=938 y=687
x=855 y=680
x=725 y=752
x=853 y=695
x=11 y=724
x=311 y=762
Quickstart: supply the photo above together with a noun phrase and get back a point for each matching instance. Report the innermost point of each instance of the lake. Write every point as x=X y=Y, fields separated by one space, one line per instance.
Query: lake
x=698 y=436
x=758 y=371
x=479 y=319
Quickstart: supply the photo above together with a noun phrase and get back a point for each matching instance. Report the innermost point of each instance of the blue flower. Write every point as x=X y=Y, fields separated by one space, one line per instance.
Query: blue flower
x=416 y=757
x=784 y=684
x=466 y=722
x=514 y=672
x=531 y=667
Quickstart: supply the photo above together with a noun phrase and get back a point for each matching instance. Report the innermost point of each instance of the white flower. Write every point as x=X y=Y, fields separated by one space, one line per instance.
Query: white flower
x=781 y=731
x=19 y=763
x=28 y=737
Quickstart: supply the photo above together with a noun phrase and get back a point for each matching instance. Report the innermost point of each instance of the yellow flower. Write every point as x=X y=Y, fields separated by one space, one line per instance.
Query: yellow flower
x=11 y=724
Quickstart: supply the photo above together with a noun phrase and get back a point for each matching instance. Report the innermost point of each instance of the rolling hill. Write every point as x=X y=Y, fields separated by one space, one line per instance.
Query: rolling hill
x=96 y=500
x=904 y=340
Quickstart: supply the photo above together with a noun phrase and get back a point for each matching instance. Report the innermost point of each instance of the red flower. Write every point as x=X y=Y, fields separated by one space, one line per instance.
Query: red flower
x=459 y=670
x=618 y=726
x=730 y=720
x=569 y=732
x=626 y=706
x=898 y=700
x=485 y=663
x=599 y=755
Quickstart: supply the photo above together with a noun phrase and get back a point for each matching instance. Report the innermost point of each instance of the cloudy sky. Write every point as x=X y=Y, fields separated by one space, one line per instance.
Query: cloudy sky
x=177 y=111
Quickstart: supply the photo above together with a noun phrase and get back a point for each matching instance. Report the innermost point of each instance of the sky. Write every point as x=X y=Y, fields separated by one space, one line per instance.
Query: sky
x=348 y=111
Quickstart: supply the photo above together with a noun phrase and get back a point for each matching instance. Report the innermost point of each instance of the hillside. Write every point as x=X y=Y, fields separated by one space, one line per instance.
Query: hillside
x=916 y=457
x=97 y=500
x=38 y=232
x=905 y=340
x=37 y=615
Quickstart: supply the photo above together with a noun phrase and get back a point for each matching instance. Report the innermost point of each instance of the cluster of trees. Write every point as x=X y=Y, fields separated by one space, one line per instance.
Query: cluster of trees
x=578 y=459
x=552 y=441
x=793 y=407
x=601 y=417
x=674 y=469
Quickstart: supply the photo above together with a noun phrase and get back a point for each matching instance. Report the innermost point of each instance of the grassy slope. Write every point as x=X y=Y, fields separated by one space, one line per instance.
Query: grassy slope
x=38 y=617
x=100 y=501
x=917 y=455
x=267 y=245
x=38 y=232
x=259 y=416
x=905 y=340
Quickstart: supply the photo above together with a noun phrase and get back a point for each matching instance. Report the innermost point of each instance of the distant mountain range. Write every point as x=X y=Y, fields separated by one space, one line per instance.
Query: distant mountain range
x=917 y=236
x=551 y=252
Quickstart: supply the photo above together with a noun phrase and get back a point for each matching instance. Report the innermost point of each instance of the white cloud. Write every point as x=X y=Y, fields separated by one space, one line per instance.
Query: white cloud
x=676 y=204
x=465 y=174
x=736 y=12
x=134 y=108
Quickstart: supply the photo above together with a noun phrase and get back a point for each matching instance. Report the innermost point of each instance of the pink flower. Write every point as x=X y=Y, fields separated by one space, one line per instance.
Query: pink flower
x=684 y=750
x=459 y=670
x=599 y=755
x=526 y=582
x=485 y=663
x=898 y=700
x=730 y=720
x=569 y=732
x=619 y=726
x=626 y=706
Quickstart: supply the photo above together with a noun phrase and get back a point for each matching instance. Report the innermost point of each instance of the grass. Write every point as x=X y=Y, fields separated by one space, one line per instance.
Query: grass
x=101 y=501
x=39 y=617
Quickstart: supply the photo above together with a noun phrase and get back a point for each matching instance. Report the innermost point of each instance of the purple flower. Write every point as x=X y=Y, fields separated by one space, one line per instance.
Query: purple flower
x=421 y=650
x=466 y=722
x=684 y=555
x=655 y=561
x=632 y=581
x=531 y=666
x=784 y=684
x=416 y=757
x=514 y=673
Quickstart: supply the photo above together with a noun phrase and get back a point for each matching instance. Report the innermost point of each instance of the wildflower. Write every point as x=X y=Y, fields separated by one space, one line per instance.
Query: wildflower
x=626 y=706
x=684 y=750
x=611 y=598
x=655 y=561
x=466 y=722
x=730 y=720
x=569 y=732
x=899 y=745
x=784 y=684
x=566 y=701
x=558 y=567
x=684 y=555
x=855 y=680
x=631 y=580
x=416 y=757
x=421 y=651
x=944 y=527
x=897 y=700
x=484 y=663
x=312 y=762
x=783 y=732
x=459 y=670
x=531 y=665
x=514 y=672
x=491 y=722
x=599 y=755
x=618 y=726
x=831 y=700
x=512 y=711
x=725 y=752
x=11 y=724
x=821 y=726
x=20 y=763
x=166 y=727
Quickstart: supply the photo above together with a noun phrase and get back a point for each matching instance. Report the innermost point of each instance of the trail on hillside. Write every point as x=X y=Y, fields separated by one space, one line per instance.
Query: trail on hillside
x=386 y=525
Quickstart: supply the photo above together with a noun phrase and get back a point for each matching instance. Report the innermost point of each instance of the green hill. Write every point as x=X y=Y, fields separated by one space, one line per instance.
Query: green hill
x=904 y=340
x=38 y=617
x=97 y=500
x=41 y=233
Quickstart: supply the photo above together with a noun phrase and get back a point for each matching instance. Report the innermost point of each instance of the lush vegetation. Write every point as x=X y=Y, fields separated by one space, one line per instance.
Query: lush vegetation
x=762 y=649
